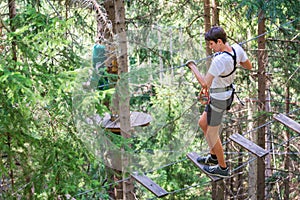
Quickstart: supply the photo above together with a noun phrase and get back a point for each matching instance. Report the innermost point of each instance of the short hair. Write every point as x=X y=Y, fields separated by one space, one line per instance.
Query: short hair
x=216 y=33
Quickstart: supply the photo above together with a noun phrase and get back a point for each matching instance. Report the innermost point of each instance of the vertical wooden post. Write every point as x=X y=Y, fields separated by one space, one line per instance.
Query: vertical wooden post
x=262 y=55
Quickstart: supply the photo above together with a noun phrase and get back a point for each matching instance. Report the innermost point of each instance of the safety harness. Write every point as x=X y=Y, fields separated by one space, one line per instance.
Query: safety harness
x=231 y=86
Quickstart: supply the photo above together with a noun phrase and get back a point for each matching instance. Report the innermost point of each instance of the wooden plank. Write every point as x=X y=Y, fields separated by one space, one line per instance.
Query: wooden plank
x=136 y=119
x=150 y=185
x=288 y=122
x=140 y=119
x=249 y=145
x=193 y=157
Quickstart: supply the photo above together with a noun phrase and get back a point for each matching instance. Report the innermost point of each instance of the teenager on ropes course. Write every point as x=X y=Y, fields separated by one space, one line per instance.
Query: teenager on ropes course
x=217 y=84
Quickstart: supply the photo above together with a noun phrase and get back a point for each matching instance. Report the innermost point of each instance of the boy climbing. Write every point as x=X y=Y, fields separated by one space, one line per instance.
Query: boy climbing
x=218 y=85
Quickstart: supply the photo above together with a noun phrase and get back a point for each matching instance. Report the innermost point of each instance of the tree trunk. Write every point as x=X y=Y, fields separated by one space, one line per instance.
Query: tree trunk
x=123 y=67
x=269 y=136
x=215 y=13
x=262 y=58
x=252 y=179
x=123 y=90
x=161 y=64
x=207 y=25
x=10 y=160
x=111 y=61
x=240 y=177
x=217 y=188
x=1 y=35
x=286 y=181
x=12 y=14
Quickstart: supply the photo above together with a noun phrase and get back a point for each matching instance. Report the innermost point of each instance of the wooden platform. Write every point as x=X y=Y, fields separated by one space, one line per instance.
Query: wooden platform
x=288 y=122
x=193 y=157
x=136 y=119
x=249 y=145
x=150 y=185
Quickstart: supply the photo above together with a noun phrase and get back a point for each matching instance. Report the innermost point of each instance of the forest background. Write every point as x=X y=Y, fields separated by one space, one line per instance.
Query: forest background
x=49 y=148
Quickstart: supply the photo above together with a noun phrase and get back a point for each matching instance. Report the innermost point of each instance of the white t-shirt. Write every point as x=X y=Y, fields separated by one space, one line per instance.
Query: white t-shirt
x=221 y=65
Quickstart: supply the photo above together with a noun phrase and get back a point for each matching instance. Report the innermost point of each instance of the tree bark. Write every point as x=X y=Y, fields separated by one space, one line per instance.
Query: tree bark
x=215 y=13
x=268 y=135
x=123 y=90
x=252 y=179
x=12 y=14
x=111 y=61
x=1 y=35
x=207 y=25
x=262 y=58
x=217 y=188
x=286 y=181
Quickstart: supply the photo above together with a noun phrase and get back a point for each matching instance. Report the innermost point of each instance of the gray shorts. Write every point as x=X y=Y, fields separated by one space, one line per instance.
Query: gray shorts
x=215 y=110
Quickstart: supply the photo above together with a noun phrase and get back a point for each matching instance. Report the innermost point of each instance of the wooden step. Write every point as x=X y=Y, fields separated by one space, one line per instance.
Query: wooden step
x=249 y=145
x=193 y=157
x=288 y=122
x=150 y=185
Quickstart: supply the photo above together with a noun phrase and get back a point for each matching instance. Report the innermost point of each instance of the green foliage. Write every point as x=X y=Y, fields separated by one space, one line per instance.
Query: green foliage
x=42 y=156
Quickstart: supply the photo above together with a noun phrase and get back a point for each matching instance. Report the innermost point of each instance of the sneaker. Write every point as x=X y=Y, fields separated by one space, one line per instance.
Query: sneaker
x=216 y=171
x=207 y=160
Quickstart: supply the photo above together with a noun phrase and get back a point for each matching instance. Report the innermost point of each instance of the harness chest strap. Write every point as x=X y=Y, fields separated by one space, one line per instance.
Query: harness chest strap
x=234 y=60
